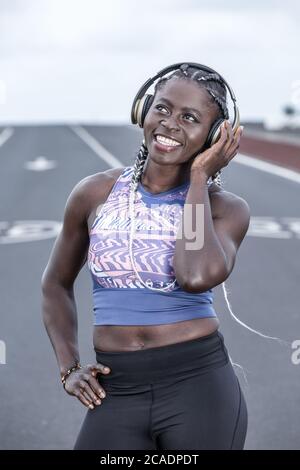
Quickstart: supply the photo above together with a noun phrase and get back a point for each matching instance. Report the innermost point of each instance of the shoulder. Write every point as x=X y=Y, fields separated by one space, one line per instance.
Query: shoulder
x=98 y=180
x=93 y=189
x=226 y=201
x=231 y=215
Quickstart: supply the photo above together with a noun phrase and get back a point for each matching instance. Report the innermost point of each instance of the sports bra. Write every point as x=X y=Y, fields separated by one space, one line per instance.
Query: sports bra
x=119 y=298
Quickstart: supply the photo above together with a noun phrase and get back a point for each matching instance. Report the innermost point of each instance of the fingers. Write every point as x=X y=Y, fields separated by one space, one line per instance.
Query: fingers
x=227 y=140
x=95 y=386
x=82 y=398
x=229 y=137
x=87 y=397
x=96 y=368
x=89 y=393
x=223 y=138
x=233 y=142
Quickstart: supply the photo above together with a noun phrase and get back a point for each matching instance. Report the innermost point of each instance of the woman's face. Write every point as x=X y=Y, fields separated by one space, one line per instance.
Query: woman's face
x=182 y=111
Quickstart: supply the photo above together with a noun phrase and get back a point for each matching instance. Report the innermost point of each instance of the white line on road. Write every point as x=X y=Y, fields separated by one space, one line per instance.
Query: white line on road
x=101 y=151
x=268 y=167
x=5 y=135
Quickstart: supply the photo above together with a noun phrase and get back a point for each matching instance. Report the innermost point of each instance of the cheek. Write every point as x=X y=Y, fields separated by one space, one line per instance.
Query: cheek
x=197 y=140
x=150 y=116
x=149 y=124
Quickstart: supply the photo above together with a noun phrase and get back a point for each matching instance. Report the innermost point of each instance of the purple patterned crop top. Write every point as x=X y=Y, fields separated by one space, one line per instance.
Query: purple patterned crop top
x=119 y=297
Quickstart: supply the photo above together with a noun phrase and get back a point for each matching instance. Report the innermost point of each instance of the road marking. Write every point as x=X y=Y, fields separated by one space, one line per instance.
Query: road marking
x=267 y=167
x=5 y=135
x=99 y=150
x=273 y=227
x=21 y=231
x=40 y=164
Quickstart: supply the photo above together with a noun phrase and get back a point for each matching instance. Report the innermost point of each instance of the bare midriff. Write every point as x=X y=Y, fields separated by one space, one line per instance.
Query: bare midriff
x=130 y=338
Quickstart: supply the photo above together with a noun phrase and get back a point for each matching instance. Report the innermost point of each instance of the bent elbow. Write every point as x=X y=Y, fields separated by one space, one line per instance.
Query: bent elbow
x=212 y=280
x=195 y=287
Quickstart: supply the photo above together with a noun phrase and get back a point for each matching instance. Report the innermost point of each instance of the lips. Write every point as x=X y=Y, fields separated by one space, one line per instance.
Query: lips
x=167 y=137
x=163 y=148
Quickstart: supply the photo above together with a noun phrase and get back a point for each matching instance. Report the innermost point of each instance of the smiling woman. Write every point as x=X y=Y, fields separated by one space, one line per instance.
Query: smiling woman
x=170 y=383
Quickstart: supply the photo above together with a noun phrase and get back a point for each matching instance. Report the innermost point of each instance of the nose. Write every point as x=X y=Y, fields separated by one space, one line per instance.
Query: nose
x=170 y=123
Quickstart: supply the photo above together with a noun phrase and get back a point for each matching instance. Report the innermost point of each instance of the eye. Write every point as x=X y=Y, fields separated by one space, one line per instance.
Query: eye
x=194 y=119
x=160 y=106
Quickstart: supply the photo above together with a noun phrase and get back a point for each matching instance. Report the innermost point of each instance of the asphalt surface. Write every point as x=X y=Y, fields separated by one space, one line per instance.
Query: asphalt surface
x=35 y=412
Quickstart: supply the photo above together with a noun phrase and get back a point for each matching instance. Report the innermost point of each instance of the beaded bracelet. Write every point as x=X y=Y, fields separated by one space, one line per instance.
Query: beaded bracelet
x=69 y=371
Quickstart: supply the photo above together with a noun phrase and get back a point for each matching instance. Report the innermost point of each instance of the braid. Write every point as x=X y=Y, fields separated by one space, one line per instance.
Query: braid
x=219 y=101
x=210 y=76
x=138 y=166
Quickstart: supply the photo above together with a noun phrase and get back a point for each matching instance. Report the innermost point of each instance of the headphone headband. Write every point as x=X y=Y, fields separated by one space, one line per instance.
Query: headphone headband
x=168 y=69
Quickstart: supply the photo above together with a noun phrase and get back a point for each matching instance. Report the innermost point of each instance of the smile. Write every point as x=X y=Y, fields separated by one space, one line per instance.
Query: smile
x=165 y=145
x=166 y=141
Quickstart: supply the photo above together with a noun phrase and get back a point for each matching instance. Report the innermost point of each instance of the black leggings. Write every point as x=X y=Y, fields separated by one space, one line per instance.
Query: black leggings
x=179 y=396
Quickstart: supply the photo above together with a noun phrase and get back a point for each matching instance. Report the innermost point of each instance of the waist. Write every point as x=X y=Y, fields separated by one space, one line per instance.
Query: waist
x=164 y=362
x=127 y=338
x=117 y=306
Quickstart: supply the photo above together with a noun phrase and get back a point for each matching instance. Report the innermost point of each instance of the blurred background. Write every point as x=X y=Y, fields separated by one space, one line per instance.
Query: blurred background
x=68 y=74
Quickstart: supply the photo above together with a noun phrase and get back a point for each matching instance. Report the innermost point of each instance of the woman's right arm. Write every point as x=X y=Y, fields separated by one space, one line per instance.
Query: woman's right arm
x=67 y=257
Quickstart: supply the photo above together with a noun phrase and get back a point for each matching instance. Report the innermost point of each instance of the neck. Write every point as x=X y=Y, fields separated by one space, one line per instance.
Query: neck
x=159 y=178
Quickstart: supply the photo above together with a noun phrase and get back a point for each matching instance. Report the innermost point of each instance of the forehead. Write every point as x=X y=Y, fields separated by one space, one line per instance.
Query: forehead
x=183 y=92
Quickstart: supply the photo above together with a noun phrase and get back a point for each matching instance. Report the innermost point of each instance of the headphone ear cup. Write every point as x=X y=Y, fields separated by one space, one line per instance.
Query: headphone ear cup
x=146 y=106
x=214 y=133
x=138 y=112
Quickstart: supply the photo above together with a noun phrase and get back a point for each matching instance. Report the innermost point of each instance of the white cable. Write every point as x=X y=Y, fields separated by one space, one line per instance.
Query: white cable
x=248 y=327
x=238 y=365
x=131 y=234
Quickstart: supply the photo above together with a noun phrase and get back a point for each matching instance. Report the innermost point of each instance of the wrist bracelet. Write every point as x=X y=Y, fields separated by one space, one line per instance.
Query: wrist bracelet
x=69 y=371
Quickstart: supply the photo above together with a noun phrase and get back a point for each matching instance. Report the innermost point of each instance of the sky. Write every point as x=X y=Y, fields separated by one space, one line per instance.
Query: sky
x=84 y=60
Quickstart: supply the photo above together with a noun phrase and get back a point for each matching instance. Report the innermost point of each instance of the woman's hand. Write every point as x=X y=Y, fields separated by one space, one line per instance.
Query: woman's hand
x=82 y=384
x=219 y=154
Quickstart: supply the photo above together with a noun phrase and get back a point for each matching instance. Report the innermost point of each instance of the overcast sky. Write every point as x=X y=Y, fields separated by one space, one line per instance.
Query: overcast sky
x=84 y=60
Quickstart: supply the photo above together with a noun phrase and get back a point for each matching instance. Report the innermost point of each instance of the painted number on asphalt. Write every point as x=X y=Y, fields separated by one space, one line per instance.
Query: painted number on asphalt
x=28 y=230
x=273 y=227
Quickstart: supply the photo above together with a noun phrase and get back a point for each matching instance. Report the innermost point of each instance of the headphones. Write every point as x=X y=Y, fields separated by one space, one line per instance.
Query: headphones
x=143 y=101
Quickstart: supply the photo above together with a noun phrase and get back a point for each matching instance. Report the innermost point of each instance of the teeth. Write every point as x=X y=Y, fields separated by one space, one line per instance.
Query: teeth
x=166 y=141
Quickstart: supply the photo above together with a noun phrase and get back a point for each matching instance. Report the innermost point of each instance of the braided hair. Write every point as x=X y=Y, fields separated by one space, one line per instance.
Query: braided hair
x=216 y=89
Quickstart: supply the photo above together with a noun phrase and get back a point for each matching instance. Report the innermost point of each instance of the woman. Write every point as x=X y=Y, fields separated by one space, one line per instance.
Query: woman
x=163 y=377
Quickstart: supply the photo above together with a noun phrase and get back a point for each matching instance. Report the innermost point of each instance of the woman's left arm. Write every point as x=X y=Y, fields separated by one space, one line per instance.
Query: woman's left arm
x=198 y=270
x=208 y=261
